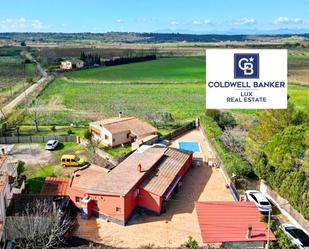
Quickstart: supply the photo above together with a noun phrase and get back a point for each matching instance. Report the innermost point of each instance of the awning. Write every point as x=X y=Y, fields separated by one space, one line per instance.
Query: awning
x=171 y=188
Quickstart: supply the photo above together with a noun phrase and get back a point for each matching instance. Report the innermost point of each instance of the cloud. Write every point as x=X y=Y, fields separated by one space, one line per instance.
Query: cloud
x=201 y=22
x=20 y=24
x=174 y=23
x=287 y=20
x=245 y=21
x=119 y=21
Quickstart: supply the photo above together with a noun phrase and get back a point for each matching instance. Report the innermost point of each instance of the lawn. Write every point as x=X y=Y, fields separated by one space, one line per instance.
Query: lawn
x=117 y=151
x=186 y=69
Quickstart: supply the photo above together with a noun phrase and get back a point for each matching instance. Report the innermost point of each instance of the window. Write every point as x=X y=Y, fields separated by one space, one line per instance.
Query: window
x=68 y=160
x=106 y=137
x=118 y=209
x=63 y=160
x=78 y=199
x=73 y=160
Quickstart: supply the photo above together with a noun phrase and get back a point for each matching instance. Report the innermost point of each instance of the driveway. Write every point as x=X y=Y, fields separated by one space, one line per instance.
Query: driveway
x=169 y=230
x=31 y=154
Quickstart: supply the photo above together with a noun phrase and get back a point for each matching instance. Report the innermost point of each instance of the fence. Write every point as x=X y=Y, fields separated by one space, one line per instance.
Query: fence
x=36 y=139
x=284 y=206
x=176 y=133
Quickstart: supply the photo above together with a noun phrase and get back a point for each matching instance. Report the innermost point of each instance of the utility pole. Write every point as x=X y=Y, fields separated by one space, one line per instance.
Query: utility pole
x=268 y=228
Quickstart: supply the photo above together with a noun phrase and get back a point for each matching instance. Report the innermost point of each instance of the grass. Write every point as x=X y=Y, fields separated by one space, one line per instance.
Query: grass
x=36 y=177
x=46 y=130
x=117 y=151
x=35 y=174
x=173 y=85
x=188 y=69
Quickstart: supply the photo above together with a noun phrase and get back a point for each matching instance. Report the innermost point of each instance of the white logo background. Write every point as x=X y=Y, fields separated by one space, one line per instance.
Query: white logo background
x=220 y=67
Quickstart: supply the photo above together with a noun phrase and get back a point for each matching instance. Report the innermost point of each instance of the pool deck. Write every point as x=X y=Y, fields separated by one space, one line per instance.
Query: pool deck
x=172 y=228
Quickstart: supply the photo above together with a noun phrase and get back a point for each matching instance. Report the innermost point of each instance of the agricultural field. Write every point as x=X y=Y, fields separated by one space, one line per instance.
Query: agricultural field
x=169 y=85
x=167 y=70
x=13 y=74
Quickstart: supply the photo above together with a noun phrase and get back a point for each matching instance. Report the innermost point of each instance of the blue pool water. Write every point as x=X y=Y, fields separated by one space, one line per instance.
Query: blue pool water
x=190 y=146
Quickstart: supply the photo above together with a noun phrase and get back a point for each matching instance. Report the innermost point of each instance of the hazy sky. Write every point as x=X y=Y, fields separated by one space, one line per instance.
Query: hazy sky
x=152 y=15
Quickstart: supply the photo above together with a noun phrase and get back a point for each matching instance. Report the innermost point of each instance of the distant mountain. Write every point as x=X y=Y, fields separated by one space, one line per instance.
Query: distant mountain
x=235 y=31
x=237 y=35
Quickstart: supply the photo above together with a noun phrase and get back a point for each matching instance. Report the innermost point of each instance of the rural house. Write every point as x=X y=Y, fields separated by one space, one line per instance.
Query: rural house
x=71 y=64
x=231 y=224
x=146 y=179
x=121 y=130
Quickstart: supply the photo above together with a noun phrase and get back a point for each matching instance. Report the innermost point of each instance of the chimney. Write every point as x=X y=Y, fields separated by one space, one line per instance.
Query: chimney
x=3 y=151
x=249 y=232
x=139 y=168
x=120 y=114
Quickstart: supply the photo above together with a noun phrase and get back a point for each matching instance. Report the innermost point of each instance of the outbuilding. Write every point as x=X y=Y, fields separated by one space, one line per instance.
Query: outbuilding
x=232 y=224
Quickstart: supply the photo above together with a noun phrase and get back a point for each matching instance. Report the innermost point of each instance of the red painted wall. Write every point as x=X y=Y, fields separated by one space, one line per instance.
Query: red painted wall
x=150 y=201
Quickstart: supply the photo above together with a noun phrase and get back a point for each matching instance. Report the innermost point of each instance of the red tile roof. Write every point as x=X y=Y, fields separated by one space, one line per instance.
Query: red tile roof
x=54 y=186
x=228 y=221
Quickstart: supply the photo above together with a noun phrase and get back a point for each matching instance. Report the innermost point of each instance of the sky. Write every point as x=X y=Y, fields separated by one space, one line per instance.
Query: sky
x=196 y=16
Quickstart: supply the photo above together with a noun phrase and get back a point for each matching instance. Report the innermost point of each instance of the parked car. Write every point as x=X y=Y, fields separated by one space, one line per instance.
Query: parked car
x=299 y=237
x=51 y=144
x=259 y=199
x=72 y=161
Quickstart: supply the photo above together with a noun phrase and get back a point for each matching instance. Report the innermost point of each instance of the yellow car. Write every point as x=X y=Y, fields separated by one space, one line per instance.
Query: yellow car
x=72 y=160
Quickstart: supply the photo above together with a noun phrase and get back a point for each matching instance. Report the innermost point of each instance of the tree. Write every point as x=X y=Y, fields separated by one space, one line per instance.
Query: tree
x=234 y=140
x=29 y=80
x=23 y=44
x=39 y=225
x=35 y=111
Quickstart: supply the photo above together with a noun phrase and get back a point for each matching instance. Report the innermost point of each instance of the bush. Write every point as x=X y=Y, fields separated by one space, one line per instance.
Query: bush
x=20 y=167
x=234 y=140
x=223 y=119
x=191 y=243
x=53 y=128
x=70 y=132
x=232 y=161
x=87 y=134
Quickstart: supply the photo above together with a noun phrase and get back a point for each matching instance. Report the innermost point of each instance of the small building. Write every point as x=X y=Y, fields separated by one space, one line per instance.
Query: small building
x=121 y=130
x=232 y=224
x=72 y=64
x=146 y=179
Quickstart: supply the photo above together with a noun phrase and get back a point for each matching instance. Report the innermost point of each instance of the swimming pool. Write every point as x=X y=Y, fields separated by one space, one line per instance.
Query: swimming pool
x=190 y=146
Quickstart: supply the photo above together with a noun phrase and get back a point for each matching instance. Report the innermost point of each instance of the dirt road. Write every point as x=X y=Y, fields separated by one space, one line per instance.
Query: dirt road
x=30 y=90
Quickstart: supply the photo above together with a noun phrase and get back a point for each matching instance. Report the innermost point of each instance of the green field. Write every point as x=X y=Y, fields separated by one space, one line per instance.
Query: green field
x=190 y=69
x=97 y=93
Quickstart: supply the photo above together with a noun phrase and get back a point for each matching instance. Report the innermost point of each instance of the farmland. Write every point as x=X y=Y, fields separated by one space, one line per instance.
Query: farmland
x=171 y=85
x=13 y=74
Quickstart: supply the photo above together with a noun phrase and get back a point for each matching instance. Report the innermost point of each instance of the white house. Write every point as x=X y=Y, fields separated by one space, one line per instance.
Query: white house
x=121 y=130
x=71 y=64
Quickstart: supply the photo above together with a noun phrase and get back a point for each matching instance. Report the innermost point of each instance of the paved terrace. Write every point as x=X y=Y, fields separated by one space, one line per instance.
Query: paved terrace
x=179 y=222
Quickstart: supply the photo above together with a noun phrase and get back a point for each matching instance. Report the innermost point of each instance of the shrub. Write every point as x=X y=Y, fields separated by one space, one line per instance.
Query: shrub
x=191 y=243
x=53 y=128
x=234 y=140
x=70 y=132
x=87 y=134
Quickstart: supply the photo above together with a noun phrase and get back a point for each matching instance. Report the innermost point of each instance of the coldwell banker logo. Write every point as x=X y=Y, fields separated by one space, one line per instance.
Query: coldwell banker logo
x=246 y=79
x=246 y=66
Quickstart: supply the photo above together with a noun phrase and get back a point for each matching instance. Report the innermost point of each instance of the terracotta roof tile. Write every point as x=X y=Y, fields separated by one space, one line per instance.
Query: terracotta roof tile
x=54 y=186
x=227 y=221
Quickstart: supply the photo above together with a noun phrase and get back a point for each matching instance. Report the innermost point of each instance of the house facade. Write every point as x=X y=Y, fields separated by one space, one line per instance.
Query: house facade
x=121 y=130
x=71 y=64
x=146 y=179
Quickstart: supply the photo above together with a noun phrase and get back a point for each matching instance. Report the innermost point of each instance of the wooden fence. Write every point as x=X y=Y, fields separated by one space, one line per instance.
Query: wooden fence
x=35 y=139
